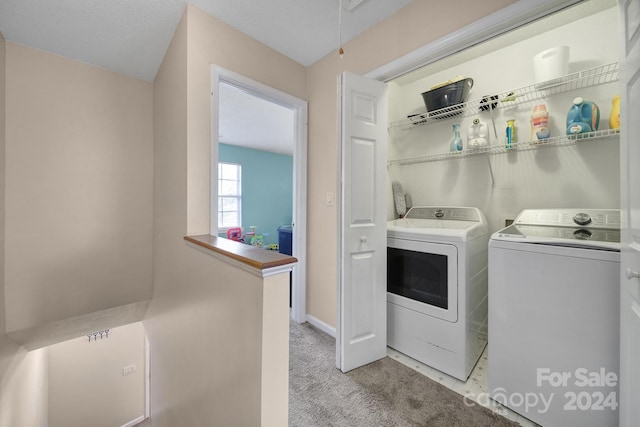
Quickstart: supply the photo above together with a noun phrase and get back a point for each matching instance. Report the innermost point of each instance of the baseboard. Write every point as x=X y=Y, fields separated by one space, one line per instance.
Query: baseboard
x=135 y=422
x=321 y=325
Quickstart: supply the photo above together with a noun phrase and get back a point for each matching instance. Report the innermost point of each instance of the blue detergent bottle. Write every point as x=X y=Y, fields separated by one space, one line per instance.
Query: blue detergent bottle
x=583 y=116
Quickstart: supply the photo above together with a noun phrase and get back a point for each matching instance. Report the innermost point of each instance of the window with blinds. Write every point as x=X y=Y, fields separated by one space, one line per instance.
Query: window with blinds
x=229 y=195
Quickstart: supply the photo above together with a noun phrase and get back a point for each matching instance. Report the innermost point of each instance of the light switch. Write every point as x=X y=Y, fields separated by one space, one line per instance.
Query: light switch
x=329 y=198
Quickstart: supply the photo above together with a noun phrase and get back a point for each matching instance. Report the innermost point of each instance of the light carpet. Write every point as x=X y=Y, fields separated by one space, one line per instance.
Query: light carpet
x=383 y=393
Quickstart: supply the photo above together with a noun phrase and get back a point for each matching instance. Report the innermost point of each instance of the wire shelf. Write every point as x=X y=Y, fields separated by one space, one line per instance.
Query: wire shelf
x=501 y=147
x=587 y=78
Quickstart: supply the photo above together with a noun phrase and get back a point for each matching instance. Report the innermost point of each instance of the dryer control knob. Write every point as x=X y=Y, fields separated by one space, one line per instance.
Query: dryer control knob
x=439 y=213
x=582 y=218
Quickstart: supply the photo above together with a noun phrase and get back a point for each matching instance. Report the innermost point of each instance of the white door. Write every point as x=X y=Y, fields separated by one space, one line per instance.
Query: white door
x=630 y=197
x=362 y=317
x=299 y=215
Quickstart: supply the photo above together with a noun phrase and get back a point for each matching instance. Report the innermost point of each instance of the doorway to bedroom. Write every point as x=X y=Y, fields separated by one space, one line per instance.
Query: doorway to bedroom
x=259 y=138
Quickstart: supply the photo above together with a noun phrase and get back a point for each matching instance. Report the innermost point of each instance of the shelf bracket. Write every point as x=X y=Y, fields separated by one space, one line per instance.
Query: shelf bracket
x=493 y=181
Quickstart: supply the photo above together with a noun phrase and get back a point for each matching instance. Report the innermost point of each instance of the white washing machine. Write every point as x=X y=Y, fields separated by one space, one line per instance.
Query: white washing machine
x=437 y=287
x=554 y=316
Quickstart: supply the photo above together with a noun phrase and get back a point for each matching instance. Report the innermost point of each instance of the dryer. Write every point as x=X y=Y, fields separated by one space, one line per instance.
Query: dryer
x=437 y=287
x=554 y=280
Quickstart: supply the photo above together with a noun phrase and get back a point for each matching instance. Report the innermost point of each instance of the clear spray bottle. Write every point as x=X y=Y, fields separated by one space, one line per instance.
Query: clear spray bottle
x=455 y=144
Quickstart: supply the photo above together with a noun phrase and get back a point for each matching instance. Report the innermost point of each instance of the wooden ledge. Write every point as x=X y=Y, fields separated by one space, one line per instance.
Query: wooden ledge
x=258 y=258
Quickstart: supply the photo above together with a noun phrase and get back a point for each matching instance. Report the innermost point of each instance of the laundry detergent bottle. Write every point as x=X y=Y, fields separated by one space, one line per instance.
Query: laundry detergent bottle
x=540 y=123
x=455 y=144
x=583 y=116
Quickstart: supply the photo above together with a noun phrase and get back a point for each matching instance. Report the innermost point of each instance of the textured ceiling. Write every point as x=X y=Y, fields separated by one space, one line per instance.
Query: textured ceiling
x=131 y=36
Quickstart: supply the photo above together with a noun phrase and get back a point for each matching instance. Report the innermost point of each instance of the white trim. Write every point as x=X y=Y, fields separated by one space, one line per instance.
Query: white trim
x=338 y=203
x=300 y=107
x=267 y=272
x=132 y=423
x=262 y=273
x=147 y=376
x=506 y=19
x=215 y=140
x=299 y=238
x=314 y=321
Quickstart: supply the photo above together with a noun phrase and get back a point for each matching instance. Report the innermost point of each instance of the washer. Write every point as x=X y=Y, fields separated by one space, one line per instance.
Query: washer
x=437 y=287
x=554 y=279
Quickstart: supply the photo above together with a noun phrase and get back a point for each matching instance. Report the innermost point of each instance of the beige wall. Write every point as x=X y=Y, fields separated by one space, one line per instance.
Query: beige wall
x=23 y=391
x=414 y=26
x=205 y=320
x=211 y=41
x=78 y=229
x=24 y=399
x=86 y=383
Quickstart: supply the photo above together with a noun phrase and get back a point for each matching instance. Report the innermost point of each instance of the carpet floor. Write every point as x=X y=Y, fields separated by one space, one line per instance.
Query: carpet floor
x=383 y=393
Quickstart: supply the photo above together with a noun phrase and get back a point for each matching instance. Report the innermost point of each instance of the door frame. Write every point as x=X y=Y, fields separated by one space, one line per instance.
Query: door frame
x=629 y=373
x=498 y=23
x=299 y=217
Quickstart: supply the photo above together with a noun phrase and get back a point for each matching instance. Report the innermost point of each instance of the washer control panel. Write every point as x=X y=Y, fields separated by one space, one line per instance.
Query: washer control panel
x=550 y=233
x=450 y=213
x=588 y=218
x=589 y=228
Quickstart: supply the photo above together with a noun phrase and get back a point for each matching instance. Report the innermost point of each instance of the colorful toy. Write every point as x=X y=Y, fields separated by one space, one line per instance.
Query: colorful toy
x=235 y=233
x=255 y=240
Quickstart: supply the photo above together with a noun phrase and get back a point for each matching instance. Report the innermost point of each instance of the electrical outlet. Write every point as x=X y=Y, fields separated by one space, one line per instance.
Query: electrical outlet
x=128 y=370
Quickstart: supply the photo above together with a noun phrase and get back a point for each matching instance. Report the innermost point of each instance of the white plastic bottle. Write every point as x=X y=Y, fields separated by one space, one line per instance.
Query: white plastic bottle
x=477 y=135
x=540 y=123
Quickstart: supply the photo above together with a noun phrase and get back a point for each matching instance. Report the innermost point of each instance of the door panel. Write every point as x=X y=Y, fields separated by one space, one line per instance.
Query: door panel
x=362 y=177
x=632 y=92
x=630 y=197
x=362 y=268
x=362 y=322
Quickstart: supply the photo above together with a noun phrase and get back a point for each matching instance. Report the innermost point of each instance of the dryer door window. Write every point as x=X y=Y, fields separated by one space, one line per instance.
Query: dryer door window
x=419 y=276
x=423 y=277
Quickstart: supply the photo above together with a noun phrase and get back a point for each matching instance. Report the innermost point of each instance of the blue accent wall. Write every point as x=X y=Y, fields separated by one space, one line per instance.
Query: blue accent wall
x=267 y=189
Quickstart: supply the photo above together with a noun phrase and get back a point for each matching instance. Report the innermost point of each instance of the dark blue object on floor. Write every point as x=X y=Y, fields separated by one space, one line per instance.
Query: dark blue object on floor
x=285 y=235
